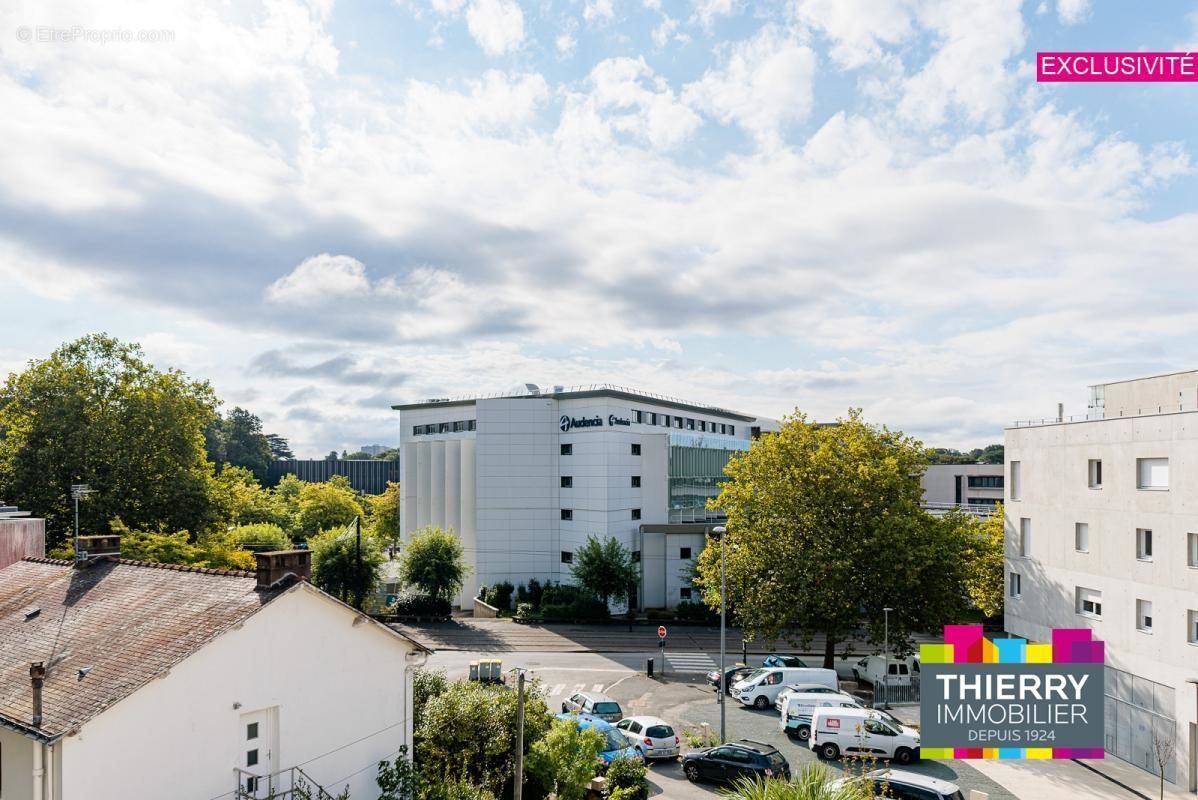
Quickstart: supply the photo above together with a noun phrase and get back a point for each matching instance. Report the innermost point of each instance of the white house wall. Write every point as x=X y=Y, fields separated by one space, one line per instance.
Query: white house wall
x=333 y=682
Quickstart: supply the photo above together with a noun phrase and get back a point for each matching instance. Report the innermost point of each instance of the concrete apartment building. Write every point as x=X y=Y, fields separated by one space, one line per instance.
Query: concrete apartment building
x=525 y=477
x=1102 y=532
x=976 y=487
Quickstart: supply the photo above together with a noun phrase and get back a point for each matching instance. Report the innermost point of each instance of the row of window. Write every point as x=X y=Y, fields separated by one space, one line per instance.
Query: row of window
x=633 y=449
x=1088 y=603
x=445 y=427
x=985 y=481
x=1152 y=474
x=1081 y=541
x=684 y=553
x=567 y=481
x=682 y=423
x=568 y=514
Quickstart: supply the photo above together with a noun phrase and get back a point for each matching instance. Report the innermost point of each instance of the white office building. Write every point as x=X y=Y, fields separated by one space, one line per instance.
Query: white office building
x=524 y=477
x=977 y=488
x=1102 y=532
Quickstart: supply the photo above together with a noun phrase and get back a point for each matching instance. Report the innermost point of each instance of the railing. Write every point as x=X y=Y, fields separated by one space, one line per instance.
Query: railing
x=593 y=387
x=286 y=784
x=1093 y=415
x=885 y=694
x=944 y=508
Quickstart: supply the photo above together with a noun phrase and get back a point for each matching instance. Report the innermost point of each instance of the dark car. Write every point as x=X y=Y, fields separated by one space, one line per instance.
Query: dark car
x=783 y=660
x=742 y=759
x=731 y=676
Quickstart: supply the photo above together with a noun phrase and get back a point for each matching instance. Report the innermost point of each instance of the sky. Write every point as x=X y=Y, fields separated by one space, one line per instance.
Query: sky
x=329 y=207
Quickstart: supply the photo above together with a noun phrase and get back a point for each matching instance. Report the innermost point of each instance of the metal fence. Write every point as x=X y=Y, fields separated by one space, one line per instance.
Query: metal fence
x=885 y=695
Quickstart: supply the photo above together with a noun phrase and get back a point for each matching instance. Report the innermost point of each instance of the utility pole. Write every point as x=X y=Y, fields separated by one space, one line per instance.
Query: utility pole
x=722 y=533
x=518 y=785
x=886 y=672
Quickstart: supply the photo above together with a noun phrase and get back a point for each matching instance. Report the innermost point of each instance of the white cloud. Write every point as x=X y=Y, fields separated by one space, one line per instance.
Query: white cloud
x=496 y=25
x=762 y=84
x=708 y=11
x=320 y=280
x=860 y=30
x=598 y=10
x=1072 y=12
x=565 y=44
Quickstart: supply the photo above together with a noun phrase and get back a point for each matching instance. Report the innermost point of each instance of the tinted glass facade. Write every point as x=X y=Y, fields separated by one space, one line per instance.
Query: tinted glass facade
x=695 y=474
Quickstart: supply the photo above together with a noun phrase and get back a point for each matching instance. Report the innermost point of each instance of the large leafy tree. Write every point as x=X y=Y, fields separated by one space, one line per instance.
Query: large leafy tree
x=237 y=439
x=604 y=568
x=825 y=529
x=384 y=514
x=279 y=448
x=984 y=561
x=433 y=562
x=566 y=759
x=345 y=563
x=96 y=412
x=322 y=506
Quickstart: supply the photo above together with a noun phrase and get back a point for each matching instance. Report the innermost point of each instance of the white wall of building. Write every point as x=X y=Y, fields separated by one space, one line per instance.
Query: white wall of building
x=327 y=680
x=939 y=482
x=16 y=765
x=1055 y=495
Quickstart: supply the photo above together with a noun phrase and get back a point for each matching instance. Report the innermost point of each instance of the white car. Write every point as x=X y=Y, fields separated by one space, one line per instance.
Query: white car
x=901 y=783
x=761 y=687
x=861 y=731
x=653 y=737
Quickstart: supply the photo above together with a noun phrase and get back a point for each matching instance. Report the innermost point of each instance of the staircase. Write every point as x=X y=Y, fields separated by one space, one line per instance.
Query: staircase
x=288 y=784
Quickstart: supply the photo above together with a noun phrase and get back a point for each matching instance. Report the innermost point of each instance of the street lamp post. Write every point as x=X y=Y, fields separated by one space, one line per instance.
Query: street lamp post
x=719 y=532
x=886 y=647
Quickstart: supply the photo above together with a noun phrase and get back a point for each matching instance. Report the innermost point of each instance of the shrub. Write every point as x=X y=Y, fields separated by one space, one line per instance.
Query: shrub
x=413 y=604
x=500 y=595
x=434 y=563
x=627 y=780
x=426 y=684
x=524 y=611
x=535 y=592
x=581 y=607
x=659 y=614
x=696 y=612
x=565 y=759
x=260 y=537
x=557 y=594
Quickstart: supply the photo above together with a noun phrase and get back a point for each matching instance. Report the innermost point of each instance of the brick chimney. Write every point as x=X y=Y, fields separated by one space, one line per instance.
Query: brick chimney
x=90 y=549
x=276 y=566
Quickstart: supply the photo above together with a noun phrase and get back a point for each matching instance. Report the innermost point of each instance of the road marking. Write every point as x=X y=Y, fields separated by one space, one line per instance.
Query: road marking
x=617 y=683
x=598 y=687
x=579 y=687
x=557 y=689
x=689 y=662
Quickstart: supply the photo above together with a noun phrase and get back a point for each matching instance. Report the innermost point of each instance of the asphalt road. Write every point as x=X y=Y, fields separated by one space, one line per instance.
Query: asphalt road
x=682 y=699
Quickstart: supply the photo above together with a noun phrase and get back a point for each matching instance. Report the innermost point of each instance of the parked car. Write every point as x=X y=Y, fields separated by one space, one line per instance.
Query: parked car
x=593 y=704
x=761 y=687
x=903 y=785
x=731 y=676
x=861 y=731
x=615 y=746
x=652 y=737
x=798 y=708
x=805 y=688
x=870 y=669
x=743 y=759
x=783 y=660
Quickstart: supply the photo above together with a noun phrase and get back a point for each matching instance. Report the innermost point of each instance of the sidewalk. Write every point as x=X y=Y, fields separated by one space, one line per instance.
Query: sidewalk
x=1102 y=779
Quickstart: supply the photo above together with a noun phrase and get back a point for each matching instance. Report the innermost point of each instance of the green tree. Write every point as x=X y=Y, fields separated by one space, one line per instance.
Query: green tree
x=399 y=779
x=433 y=563
x=208 y=550
x=824 y=529
x=279 y=448
x=467 y=734
x=240 y=500
x=322 y=506
x=260 y=537
x=96 y=412
x=426 y=684
x=384 y=514
x=814 y=782
x=984 y=561
x=345 y=563
x=237 y=439
x=605 y=569
x=566 y=759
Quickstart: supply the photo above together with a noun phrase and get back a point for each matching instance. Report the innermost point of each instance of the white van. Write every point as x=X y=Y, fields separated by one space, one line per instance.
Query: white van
x=903 y=671
x=761 y=687
x=797 y=708
x=861 y=731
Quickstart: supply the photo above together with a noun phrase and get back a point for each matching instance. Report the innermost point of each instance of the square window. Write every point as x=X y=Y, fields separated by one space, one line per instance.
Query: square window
x=702 y=425
x=690 y=424
x=1192 y=626
x=1016 y=584
x=684 y=553
x=731 y=430
x=684 y=593
x=417 y=430
x=443 y=427
x=636 y=513
x=1144 y=615
x=1081 y=537
x=636 y=449
x=636 y=556
x=1152 y=473
x=567 y=513
x=1016 y=482
x=636 y=481
x=1144 y=544
x=251 y=731
x=665 y=420
x=471 y=424
x=251 y=758
x=652 y=418
x=1192 y=549
x=567 y=449
x=678 y=422
x=638 y=416
x=567 y=481
x=1088 y=602
x=1025 y=537
x=567 y=557
x=1094 y=469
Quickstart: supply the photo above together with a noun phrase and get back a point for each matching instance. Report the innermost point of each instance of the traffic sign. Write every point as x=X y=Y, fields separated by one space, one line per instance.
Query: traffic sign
x=661 y=631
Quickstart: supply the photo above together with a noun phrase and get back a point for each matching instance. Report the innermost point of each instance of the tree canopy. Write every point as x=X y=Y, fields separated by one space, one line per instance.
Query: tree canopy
x=605 y=569
x=323 y=506
x=433 y=562
x=346 y=562
x=990 y=454
x=984 y=575
x=237 y=438
x=825 y=529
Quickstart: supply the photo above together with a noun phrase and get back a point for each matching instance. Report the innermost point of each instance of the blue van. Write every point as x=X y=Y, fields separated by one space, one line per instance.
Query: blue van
x=615 y=745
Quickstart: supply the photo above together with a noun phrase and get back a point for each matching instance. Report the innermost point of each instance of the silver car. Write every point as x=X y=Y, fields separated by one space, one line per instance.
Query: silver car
x=593 y=704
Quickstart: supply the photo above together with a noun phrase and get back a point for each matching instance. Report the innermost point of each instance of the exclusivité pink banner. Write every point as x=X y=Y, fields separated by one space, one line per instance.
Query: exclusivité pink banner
x=1116 y=67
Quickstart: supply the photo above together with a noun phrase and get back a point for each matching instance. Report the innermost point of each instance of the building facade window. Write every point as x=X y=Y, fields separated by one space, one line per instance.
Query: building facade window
x=1192 y=549
x=985 y=481
x=567 y=557
x=652 y=418
x=638 y=416
x=1025 y=537
x=1144 y=616
x=1192 y=626
x=1016 y=584
x=1088 y=602
x=1152 y=473
x=703 y=425
x=1094 y=473
x=567 y=513
x=636 y=513
x=731 y=430
x=684 y=593
x=471 y=424
x=678 y=422
x=636 y=449
x=1144 y=544
x=636 y=482
x=443 y=427
x=1081 y=537
x=636 y=556
x=664 y=419
x=690 y=424
x=567 y=482
x=567 y=449
x=1016 y=475
x=684 y=553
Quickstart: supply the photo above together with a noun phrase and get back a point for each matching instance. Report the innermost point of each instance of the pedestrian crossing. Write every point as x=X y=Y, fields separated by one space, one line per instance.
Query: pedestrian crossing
x=689 y=662
x=557 y=692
